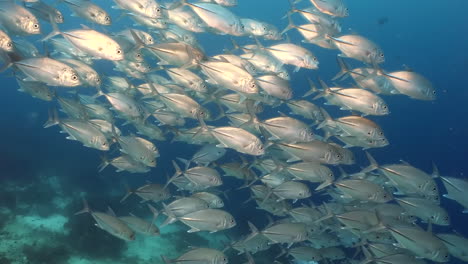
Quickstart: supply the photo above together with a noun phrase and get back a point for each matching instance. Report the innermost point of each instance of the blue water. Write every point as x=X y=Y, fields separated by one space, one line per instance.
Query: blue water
x=428 y=37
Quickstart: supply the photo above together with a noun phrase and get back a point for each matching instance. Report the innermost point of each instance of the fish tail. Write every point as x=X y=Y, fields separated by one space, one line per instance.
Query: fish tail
x=177 y=173
x=254 y=231
x=326 y=90
x=235 y=46
x=99 y=92
x=85 y=209
x=165 y=260
x=170 y=216
x=186 y=162
x=4 y=56
x=105 y=162
x=177 y=4
x=290 y=25
x=139 y=43
x=53 y=118
x=328 y=119
x=55 y=29
x=328 y=214
x=344 y=69
x=129 y=192
x=373 y=164
x=312 y=88
x=154 y=211
x=435 y=171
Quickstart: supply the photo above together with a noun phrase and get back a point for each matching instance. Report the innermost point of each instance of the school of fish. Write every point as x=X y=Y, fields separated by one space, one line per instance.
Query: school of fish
x=165 y=87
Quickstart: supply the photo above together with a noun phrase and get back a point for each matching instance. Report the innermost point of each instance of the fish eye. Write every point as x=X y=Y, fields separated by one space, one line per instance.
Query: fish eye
x=384 y=107
x=381 y=55
x=434 y=92
x=158 y=10
x=150 y=40
x=36 y=25
x=74 y=77
x=368 y=133
x=9 y=44
x=315 y=58
x=107 y=18
x=119 y=51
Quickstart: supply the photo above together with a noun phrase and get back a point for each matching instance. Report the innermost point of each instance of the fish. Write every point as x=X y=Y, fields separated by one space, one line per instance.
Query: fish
x=48 y=71
x=142 y=226
x=354 y=99
x=363 y=190
x=205 y=155
x=313 y=151
x=359 y=48
x=89 y=11
x=80 y=130
x=87 y=74
x=145 y=8
x=331 y=7
x=425 y=210
x=124 y=163
x=149 y=192
x=211 y=199
x=18 y=20
x=200 y=256
x=45 y=12
x=36 y=89
x=212 y=220
x=288 y=130
x=230 y=76
x=456 y=245
x=420 y=242
x=109 y=223
x=181 y=207
x=91 y=42
x=412 y=84
x=456 y=190
x=140 y=149
x=295 y=55
x=288 y=233
x=218 y=18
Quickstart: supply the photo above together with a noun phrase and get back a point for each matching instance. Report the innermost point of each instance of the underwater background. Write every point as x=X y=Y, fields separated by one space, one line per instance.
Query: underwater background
x=43 y=175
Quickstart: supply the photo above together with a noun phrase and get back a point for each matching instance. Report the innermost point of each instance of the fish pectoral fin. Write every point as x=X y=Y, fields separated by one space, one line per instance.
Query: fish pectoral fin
x=342 y=41
x=72 y=35
x=193 y=230
x=199 y=7
x=293 y=158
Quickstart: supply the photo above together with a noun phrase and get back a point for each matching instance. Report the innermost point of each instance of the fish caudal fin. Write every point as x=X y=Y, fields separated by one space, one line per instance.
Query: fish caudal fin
x=53 y=118
x=85 y=209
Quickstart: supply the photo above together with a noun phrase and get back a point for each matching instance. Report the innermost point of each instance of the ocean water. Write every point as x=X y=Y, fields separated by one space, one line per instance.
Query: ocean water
x=44 y=176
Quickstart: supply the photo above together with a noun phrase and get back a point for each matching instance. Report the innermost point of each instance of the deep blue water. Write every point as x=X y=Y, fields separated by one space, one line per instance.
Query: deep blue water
x=428 y=37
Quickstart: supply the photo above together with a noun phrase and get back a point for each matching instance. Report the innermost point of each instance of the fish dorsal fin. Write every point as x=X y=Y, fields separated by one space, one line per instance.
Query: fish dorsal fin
x=110 y=211
x=85 y=27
